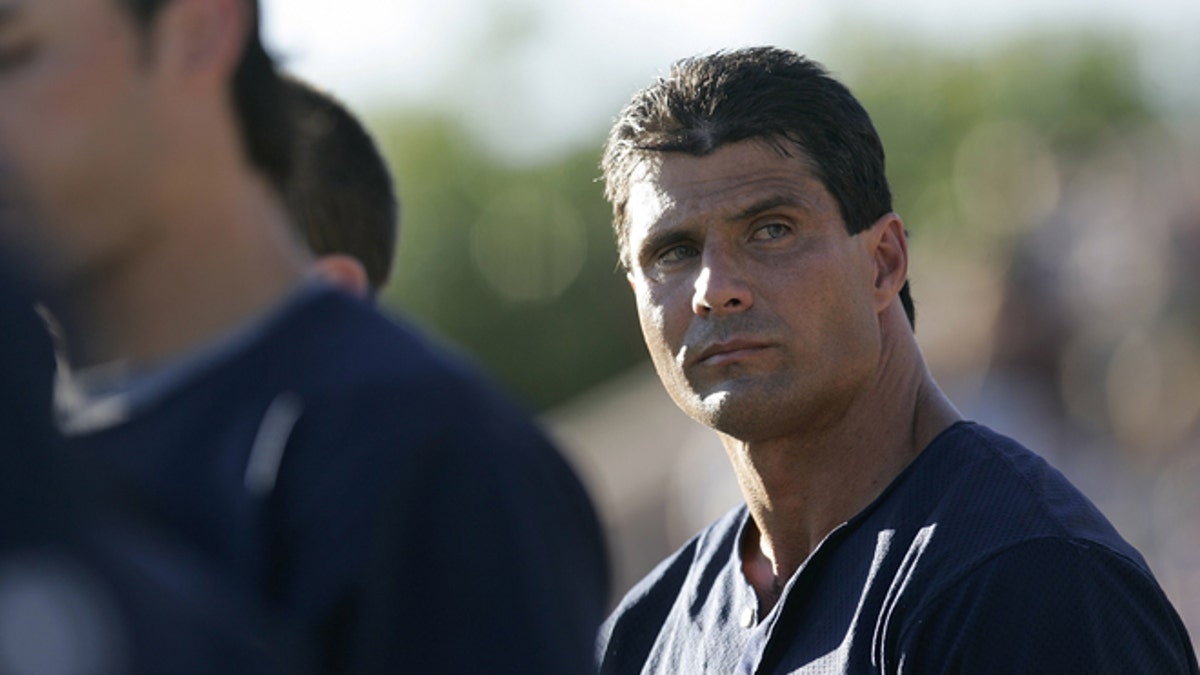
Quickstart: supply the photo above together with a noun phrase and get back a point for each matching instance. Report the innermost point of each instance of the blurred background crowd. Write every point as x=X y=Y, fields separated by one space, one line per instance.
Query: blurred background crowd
x=1044 y=156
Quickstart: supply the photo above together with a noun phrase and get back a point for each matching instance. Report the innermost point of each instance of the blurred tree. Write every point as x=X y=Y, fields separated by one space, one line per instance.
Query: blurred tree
x=515 y=266
x=1053 y=97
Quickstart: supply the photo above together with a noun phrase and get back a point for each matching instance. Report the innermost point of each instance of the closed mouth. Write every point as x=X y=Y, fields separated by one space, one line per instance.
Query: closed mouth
x=728 y=351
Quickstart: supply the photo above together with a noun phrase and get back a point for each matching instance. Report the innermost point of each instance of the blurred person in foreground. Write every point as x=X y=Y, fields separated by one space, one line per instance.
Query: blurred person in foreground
x=340 y=194
x=394 y=510
x=881 y=532
x=84 y=591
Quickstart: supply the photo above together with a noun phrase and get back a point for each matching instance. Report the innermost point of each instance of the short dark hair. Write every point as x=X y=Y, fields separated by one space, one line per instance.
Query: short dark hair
x=257 y=96
x=764 y=93
x=341 y=194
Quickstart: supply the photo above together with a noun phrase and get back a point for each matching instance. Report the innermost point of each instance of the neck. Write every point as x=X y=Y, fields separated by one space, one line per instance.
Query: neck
x=800 y=488
x=217 y=260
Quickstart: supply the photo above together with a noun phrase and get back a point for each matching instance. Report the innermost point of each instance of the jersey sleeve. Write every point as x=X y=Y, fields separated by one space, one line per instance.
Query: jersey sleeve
x=1049 y=606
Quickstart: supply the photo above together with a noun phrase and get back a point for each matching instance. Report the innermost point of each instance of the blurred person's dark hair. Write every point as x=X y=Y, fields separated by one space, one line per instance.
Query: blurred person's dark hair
x=263 y=118
x=762 y=93
x=340 y=194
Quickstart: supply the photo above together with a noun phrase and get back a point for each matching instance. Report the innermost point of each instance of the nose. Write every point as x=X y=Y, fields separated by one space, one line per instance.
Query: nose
x=720 y=287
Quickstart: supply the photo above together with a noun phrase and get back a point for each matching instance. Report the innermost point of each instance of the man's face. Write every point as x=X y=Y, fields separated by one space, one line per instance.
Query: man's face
x=756 y=304
x=77 y=132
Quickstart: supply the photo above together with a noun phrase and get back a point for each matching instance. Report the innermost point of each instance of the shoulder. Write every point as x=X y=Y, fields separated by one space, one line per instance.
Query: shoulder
x=1050 y=604
x=372 y=387
x=627 y=636
x=339 y=339
x=443 y=487
x=987 y=492
x=1023 y=572
x=986 y=498
x=380 y=414
x=352 y=364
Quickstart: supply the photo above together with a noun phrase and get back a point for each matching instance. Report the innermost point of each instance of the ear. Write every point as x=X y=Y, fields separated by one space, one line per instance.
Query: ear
x=888 y=248
x=344 y=272
x=202 y=40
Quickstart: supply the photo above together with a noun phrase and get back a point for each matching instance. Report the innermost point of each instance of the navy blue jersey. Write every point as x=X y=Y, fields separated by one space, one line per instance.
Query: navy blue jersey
x=396 y=511
x=978 y=558
x=82 y=591
x=32 y=503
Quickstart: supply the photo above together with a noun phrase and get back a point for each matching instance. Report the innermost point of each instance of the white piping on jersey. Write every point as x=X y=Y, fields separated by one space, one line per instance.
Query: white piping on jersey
x=91 y=399
x=899 y=583
x=93 y=416
x=836 y=660
x=267 y=452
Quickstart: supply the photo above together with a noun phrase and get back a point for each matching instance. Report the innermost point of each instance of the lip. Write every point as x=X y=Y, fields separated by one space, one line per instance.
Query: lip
x=726 y=352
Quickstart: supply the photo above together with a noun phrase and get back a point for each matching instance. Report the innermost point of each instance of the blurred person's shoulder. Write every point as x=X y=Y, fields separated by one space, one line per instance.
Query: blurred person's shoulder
x=409 y=445
x=373 y=384
x=344 y=342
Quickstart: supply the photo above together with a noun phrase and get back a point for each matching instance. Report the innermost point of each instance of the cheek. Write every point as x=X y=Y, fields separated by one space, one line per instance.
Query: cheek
x=41 y=135
x=650 y=316
x=73 y=101
x=854 y=328
x=827 y=305
x=662 y=321
x=92 y=155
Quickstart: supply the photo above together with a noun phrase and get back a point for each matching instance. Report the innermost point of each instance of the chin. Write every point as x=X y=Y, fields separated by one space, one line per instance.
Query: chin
x=755 y=410
x=738 y=415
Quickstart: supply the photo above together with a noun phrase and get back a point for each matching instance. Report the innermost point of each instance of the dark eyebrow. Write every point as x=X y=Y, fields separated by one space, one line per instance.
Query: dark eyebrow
x=660 y=240
x=770 y=204
x=670 y=237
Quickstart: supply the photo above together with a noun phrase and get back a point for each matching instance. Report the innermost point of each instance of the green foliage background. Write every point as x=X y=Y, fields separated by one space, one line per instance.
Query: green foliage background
x=547 y=226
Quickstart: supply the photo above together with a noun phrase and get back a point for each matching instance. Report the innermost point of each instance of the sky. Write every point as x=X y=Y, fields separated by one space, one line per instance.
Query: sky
x=564 y=67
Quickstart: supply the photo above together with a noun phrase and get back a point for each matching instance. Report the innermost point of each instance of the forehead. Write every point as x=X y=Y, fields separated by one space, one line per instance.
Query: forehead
x=671 y=189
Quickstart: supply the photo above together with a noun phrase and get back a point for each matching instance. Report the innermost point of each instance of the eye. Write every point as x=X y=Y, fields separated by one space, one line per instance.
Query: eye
x=11 y=57
x=771 y=231
x=678 y=253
